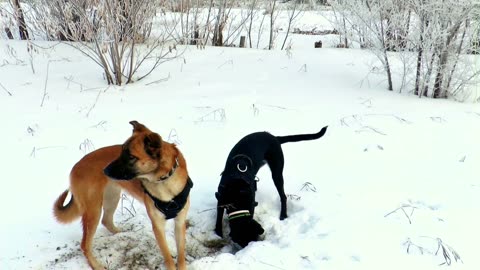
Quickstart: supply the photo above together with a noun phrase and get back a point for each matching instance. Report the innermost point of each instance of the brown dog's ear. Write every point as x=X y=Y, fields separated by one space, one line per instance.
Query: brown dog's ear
x=137 y=127
x=153 y=144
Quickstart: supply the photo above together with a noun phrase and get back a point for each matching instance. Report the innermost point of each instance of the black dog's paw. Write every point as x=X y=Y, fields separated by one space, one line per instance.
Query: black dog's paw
x=282 y=217
x=219 y=232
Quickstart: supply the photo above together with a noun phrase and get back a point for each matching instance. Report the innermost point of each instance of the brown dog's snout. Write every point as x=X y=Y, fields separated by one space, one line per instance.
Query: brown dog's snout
x=119 y=170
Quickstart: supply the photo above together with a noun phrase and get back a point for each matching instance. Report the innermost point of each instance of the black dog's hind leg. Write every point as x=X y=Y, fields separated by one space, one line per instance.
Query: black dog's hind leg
x=219 y=223
x=275 y=161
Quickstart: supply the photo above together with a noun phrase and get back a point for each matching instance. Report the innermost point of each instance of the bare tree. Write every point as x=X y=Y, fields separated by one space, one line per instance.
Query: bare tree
x=443 y=28
x=272 y=13
x=438 y=32
x=217 y=39
x=252 y=10
x=114 y=34
x=293 y=13
x=371 y=16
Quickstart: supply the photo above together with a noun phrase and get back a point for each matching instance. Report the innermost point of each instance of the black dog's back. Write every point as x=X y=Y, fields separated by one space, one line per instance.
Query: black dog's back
x=257 y=145
x=254 y=145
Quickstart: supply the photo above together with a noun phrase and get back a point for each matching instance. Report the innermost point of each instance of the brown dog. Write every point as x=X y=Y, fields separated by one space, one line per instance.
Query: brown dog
x=157 y=176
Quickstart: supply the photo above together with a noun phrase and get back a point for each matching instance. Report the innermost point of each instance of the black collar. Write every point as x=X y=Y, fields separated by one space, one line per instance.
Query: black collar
x=171 y=172
x=171 y=208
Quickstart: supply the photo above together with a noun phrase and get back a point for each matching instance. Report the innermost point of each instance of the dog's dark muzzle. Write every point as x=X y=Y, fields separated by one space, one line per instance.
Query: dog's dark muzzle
x=120 y=170
x=244 y=230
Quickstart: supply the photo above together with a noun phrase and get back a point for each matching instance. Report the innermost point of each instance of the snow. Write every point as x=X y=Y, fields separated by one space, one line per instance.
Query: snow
x=351 y=193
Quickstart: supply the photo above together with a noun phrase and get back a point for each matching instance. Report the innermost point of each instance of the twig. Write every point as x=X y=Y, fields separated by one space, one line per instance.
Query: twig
x=475 y=113
x=367 y=103
x=356 y=117
x=255 y=110
x=446 y=251
x=366 y=128
x=227 y=62
x=46 y=79
x=274 y=106
x=308 y=187
x=303 y=68
x=8 y=92
x=100 y=124
x=132 y=212
x=45 y=87
x=400 y=119
x=173 y=137
x=437 y=119
x=294 y=197
x=410 y=243
x=86 y=146
x=70 y=80
x=404 y=212
x=159 y=81
x=35 y=149
x=206 y=210
x=96 y=100
x=271 y=265
x=219 y=112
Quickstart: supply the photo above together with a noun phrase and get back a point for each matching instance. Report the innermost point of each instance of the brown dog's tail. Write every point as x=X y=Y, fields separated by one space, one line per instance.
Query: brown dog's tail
x=67 y=213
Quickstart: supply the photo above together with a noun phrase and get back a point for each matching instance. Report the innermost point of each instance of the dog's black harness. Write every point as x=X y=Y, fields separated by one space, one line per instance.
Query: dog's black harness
x=171 y=208
x=241 y=167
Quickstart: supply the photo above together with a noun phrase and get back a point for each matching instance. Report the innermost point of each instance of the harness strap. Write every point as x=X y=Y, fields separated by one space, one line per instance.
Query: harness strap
x=171 y=208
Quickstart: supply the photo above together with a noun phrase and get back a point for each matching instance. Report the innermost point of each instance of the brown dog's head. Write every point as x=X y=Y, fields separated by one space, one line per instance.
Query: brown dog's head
x=141 y=155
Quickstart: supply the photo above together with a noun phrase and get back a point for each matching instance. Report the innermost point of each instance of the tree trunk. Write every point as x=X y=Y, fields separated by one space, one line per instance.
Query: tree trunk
x=438 y=90
x=459 y=51
x=288 y=31
x=423 y=25
x=272 y=21
x=389 y=72
x=217 y=39
x=254 y=2
x=22 y=27
x=419 y=67
x=9 y=33
x=385 y=58
x=426 y=81
x=345 y=34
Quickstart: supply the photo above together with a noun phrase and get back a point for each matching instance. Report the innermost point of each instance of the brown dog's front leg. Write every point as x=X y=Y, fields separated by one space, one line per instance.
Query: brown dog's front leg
x=159 y=232
x=180 y=235
x=158 y=226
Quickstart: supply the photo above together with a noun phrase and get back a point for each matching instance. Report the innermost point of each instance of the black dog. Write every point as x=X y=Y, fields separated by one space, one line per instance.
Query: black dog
x=236 y=191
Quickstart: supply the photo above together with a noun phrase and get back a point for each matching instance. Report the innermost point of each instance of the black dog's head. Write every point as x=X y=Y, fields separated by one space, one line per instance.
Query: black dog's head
x=244 y=230
x=141 y=155
x=236 y=194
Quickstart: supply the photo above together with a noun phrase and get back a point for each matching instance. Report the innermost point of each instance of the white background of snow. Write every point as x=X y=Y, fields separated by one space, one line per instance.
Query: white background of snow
x=359 y=175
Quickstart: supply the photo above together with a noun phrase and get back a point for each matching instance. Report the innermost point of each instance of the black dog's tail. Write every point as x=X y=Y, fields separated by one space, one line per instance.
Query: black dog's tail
x=302 y=137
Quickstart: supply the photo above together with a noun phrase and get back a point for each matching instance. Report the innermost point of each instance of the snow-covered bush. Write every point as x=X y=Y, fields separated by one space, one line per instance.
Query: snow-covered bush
x=114 y=34
x=438 y=34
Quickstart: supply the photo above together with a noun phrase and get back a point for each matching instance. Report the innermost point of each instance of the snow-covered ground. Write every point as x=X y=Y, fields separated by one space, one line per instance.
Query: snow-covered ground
x=394 y=184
